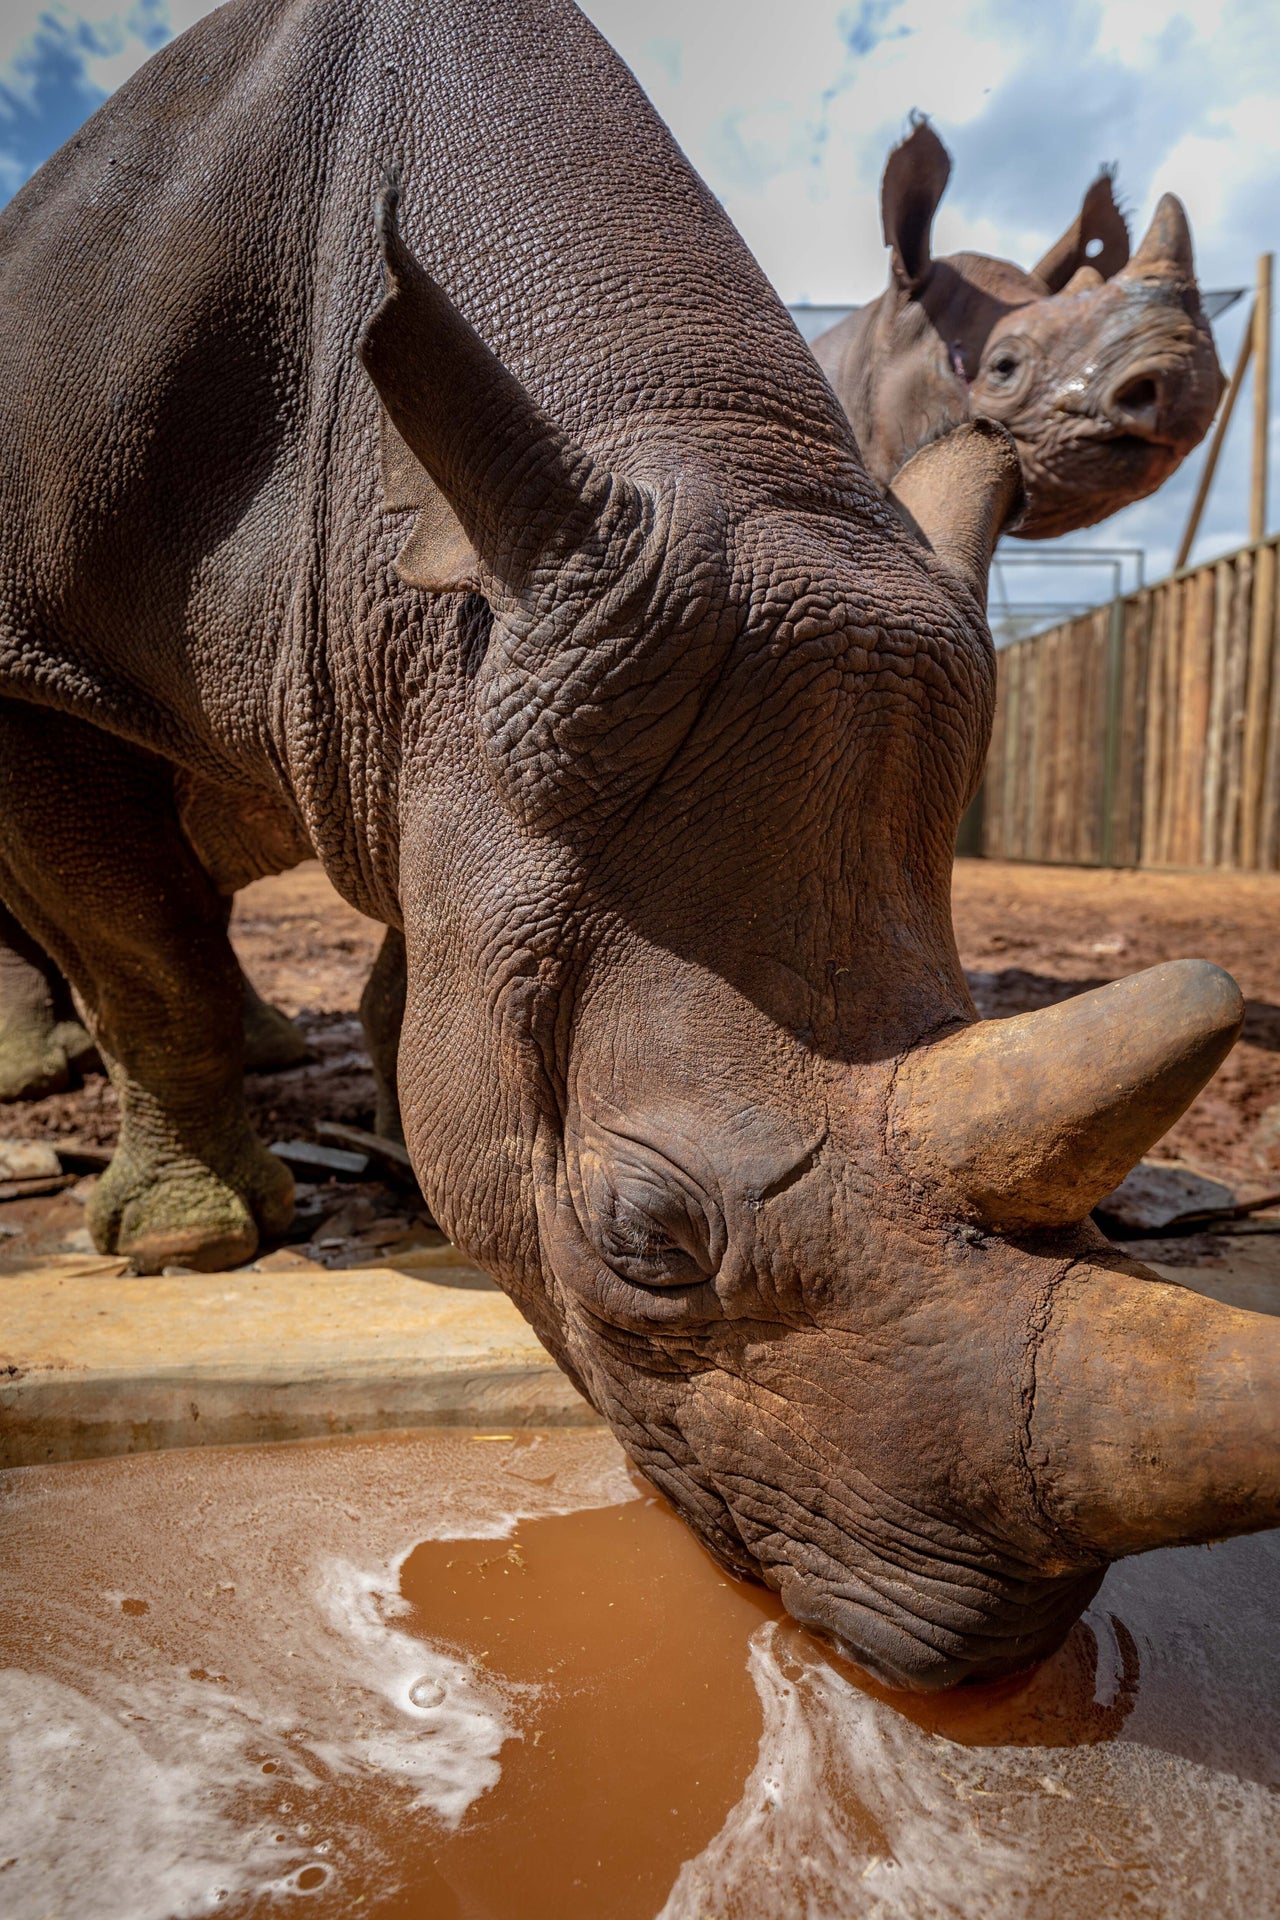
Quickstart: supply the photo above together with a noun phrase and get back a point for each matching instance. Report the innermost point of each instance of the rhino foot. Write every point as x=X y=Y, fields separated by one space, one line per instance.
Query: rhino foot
x=271 y=1041
x=189 y=1211
x=40 y=1056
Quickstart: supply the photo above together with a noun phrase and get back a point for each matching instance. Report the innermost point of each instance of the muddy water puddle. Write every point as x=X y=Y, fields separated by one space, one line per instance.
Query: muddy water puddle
x=452 y=1677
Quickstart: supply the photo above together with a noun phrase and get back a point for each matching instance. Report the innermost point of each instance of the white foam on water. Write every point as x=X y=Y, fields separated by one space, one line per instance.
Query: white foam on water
x=209 y=1658
x=854 y=1810
x=94 y=1820
x=446 y=1724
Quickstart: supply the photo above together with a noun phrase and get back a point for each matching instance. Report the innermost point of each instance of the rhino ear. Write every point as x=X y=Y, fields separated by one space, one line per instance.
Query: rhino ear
x=1099 y=226
x=915 y=179
x=437 y=555
x=504 y=495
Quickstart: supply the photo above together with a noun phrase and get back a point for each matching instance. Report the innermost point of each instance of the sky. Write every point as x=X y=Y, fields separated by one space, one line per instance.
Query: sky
x=788 y=108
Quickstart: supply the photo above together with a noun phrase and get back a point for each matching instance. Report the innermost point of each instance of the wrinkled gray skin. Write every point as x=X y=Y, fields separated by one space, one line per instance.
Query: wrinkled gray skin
x=661 y=780
x=1102 y=366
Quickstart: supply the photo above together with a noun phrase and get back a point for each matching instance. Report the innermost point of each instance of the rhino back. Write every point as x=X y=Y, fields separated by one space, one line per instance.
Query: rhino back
x=189 y=467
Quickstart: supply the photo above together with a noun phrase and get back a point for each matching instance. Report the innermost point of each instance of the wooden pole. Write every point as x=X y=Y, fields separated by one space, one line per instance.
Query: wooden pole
x=1215 y=445
x=1258 y=706
x=1261 y=331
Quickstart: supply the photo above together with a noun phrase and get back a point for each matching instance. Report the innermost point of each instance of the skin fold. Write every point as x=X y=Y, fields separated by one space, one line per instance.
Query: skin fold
x=580 y=648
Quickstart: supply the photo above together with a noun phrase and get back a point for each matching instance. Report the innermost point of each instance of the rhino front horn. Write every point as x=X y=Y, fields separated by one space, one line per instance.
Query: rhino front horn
x=1026 y=1123
x=1155 y=1414
x=959 y=494
x=1166 y=247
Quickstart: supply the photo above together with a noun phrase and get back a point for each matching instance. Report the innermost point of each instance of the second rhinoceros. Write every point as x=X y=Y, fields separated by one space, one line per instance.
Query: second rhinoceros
x=1101 y=366
x=651 y=728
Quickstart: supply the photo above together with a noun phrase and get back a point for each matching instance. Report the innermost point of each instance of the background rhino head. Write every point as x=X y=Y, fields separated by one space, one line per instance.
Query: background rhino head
x=1101 y=366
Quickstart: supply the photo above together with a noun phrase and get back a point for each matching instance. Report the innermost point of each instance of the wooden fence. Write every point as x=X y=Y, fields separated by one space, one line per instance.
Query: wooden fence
x=1146 y=733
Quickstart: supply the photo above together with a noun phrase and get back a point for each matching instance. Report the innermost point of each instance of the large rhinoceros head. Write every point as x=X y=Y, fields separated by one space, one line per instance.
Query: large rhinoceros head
x=1101 y=366
x=688 y=1057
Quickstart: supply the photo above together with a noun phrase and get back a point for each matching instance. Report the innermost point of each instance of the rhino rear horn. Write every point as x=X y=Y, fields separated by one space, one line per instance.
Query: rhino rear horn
x=959 y=494
x=1097 y=238
x=915 y=179
x=517 y=495
x=1027 y=1123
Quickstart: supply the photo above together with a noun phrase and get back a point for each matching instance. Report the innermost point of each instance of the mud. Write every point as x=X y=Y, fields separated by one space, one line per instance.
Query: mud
x=454 y=1677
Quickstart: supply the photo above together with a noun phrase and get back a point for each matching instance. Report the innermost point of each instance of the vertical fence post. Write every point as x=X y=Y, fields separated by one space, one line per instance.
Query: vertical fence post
x=1261 y=401
x=1111 y=761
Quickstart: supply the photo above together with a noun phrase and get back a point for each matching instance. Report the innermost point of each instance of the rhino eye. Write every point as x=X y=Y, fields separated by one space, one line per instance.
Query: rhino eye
x=650 y=1222
x=648 y=1250
x=1003 y=366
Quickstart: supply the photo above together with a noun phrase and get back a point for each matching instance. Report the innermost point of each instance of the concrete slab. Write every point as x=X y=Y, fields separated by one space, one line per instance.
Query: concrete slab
x=95 y=1362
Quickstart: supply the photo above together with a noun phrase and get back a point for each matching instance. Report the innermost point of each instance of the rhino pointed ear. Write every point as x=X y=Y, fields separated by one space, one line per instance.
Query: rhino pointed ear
x=915 y=179
x=504 y=494
x=437 y=555
x=1097 y=238
x=959 y=494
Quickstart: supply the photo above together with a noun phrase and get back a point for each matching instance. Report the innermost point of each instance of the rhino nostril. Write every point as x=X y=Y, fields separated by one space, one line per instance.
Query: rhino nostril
x=1138 y=395
x=1135 y=404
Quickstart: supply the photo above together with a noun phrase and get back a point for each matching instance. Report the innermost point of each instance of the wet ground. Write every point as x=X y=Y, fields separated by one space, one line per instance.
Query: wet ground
x=456 y=1677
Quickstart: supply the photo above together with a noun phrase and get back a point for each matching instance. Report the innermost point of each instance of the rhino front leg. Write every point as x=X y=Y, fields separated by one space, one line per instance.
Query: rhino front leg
x=382 y=1016
x=42 y=1041
x=94 y=862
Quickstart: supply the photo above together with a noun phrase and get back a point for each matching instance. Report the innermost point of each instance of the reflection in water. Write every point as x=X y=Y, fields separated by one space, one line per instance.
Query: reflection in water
x=232 y=1681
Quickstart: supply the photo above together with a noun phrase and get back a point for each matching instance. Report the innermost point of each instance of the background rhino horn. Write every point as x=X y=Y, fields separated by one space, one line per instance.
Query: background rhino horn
x=1155 y=1413
x=1100 y=225
x=1166 y=247
x=1028 y=1122
x=506 y=470
x=958 y=495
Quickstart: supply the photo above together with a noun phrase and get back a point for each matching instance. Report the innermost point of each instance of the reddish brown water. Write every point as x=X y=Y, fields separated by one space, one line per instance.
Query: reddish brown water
x=233 y=1683
x=644 y=1723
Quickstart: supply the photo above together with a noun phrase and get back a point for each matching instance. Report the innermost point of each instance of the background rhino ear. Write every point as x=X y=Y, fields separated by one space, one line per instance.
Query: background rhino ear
x=915 y=179
x=1099 y=224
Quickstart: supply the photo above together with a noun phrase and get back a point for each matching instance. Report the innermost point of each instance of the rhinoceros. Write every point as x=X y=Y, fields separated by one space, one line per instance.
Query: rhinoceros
x=649 y=720
x=1101 y=366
